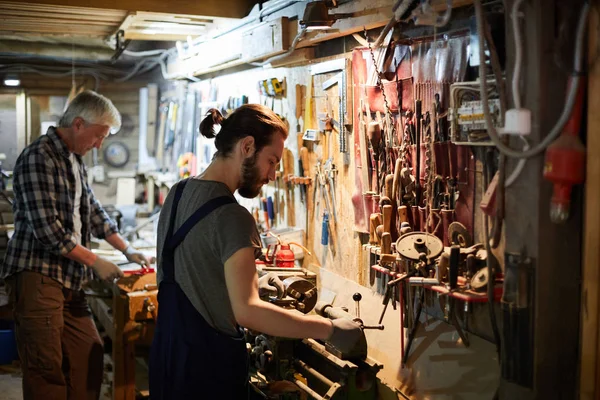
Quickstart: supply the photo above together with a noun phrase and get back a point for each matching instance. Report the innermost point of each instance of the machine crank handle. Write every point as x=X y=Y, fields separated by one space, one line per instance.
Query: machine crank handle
x=403 y=277
x=444 y=294
x=380 y=327
x=360 y=322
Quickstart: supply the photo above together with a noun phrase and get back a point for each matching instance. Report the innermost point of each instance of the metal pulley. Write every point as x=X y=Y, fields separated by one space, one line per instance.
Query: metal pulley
x=411 y=245
x=479 y=281
x=459 y=235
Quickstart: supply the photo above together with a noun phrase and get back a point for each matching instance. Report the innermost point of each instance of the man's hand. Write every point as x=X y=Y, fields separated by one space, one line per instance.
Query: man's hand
x=346 y=334
x=136 y=256
x=106 y=270
x=270 y=283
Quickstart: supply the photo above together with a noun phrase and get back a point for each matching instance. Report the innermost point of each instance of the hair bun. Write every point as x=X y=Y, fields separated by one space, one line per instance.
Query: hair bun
x=207 y=126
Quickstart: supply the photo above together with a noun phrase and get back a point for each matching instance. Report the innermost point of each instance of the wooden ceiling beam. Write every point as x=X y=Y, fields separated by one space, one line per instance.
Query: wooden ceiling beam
x=74 y=22
x=72 y=29
x=11 y=14
x=53 y=8
x=212 y=8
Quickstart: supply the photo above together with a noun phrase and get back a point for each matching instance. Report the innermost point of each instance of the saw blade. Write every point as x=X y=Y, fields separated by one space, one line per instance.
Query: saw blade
x=459 y=235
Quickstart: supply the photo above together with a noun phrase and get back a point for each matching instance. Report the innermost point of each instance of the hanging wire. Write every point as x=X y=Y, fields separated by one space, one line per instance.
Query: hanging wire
x=72 y=64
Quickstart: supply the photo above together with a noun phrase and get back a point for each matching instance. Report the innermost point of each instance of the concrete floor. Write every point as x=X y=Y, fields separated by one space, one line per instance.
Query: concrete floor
x=11 y=380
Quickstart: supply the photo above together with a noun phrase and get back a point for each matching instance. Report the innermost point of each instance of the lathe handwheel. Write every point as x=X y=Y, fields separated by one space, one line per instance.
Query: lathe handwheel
x=411 y=245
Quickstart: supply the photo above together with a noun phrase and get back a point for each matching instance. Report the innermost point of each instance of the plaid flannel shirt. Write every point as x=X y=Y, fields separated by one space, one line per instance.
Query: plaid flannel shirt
x=44 y=187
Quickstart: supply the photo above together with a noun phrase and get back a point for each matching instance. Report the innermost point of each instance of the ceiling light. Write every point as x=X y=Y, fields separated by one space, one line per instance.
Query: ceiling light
x=11 y=80
x=317 y=27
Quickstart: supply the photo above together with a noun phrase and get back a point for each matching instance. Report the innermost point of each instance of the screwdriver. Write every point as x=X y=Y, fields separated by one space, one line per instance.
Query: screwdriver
x=270 y=209
x=265 y=212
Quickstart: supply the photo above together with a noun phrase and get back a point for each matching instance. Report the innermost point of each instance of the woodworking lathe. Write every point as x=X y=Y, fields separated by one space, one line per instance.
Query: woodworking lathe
x=293 y=369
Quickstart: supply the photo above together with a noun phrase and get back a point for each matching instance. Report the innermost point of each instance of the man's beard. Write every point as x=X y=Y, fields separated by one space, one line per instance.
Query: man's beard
x=251 y=182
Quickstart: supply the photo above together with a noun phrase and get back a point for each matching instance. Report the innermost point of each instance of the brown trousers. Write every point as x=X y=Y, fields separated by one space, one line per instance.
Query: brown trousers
x=59 y=346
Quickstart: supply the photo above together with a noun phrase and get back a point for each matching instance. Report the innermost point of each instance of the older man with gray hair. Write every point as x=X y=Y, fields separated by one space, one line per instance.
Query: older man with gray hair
x=47 y=261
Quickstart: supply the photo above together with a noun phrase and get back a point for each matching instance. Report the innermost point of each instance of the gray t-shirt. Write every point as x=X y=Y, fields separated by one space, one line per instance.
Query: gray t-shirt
x=200 y=258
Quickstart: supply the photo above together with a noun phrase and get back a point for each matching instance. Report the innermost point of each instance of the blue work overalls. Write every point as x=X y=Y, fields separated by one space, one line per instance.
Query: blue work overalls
x=190 y=359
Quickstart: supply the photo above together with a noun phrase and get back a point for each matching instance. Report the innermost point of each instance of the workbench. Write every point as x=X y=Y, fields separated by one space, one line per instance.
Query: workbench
x=127 y=312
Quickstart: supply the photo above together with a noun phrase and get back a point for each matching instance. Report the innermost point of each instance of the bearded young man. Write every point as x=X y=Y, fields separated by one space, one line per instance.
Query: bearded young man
x=208 y=284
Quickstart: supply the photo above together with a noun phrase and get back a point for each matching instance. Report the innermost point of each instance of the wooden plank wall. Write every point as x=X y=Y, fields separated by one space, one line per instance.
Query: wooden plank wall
x=590 y=310
x=128 y=104
x=47 y=97
x=435 y=370
x=124 y=96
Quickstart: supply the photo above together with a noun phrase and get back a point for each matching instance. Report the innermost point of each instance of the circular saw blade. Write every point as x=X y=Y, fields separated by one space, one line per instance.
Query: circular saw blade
x=412 y=244
x=459 y=235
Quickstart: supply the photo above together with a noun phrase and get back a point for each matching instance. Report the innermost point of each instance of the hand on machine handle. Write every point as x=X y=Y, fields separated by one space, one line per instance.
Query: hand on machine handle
x=346 y=333
x=106 y=270
x=135 y=256
x=270 y=283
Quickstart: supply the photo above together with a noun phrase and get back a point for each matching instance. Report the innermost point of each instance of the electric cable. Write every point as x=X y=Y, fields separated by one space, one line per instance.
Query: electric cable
x=54 y=74
x=146 y=53
x=575 y=80
x=516 y=93
x=96 y=70
x=500 y=188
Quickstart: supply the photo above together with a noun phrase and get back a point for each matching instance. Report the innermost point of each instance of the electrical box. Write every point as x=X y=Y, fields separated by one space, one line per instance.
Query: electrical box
x=467 y=120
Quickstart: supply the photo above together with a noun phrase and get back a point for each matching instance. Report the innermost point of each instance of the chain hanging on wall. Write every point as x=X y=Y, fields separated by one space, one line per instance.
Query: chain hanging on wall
x=388 y=112
x=390 y=129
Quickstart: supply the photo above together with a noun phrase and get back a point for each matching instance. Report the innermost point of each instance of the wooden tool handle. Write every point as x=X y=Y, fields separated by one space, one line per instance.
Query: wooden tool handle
x=397 y=182
x=386 y=243
x=298 y=101
x=443 y=265
x=288 y=162
x=372 y=227
x=379 y=219
x=379 y=232
x=387 y=218
x=389 y=185
x=304 y=160
x=403 y=214
x=362 y=136
x=378 y=117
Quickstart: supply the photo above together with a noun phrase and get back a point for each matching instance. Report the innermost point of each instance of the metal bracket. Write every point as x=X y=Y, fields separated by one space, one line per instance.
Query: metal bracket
x=121 y=45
